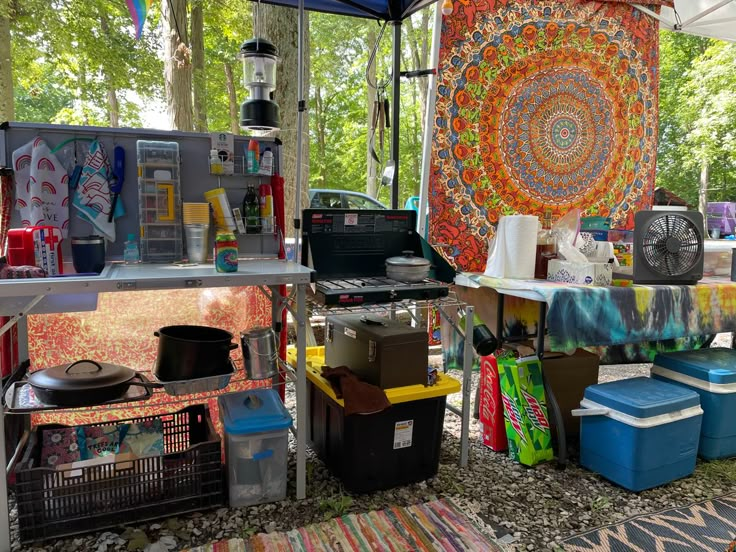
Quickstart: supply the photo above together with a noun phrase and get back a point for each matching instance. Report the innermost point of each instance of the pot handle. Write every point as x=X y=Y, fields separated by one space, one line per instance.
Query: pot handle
x=156 y=334
x=232 y=346
x=99 y=368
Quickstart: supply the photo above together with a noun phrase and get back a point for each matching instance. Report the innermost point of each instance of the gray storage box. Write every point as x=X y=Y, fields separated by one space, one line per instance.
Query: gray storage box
x=384 y=352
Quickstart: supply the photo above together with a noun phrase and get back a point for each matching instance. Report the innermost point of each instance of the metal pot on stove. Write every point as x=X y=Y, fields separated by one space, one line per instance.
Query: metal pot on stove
x=408 y=268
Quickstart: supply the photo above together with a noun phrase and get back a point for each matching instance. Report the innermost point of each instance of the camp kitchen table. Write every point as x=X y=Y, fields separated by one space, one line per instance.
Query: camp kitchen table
x=69 y=294
x=581 y=316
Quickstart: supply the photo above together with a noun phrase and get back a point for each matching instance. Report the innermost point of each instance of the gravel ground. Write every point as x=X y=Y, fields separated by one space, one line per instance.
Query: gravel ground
x=529 y=508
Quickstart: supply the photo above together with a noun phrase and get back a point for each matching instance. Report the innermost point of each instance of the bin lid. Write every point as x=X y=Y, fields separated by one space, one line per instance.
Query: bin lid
x=716 y=365
x=642 y=397
x=253 y=411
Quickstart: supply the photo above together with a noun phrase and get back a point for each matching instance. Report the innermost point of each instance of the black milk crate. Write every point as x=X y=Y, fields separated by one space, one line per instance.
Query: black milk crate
x=186 y=478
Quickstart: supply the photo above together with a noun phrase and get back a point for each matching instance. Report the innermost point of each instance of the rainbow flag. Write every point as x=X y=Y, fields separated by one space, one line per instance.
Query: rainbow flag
x=138 y=11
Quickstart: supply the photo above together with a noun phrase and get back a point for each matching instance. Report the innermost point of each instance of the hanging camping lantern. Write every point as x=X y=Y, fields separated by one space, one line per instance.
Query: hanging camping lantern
x=259 y=111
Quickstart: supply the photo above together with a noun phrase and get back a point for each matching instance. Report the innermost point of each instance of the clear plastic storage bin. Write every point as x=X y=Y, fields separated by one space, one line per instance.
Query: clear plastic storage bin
x=256 y=446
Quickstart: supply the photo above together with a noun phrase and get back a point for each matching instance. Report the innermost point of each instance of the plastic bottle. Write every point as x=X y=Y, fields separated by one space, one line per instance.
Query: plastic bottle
x=251 y=157
x=131 y=253
x=266 y=206
x=266 y=167
x=546 y=247
x=215 y=162
x=252 y=211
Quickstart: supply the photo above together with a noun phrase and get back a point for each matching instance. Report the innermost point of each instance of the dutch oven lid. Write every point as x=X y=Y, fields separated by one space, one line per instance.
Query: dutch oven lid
x=83 y=374
x=407 y=260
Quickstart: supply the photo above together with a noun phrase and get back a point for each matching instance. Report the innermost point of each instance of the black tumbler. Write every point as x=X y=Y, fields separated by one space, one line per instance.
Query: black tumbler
x=88 y=254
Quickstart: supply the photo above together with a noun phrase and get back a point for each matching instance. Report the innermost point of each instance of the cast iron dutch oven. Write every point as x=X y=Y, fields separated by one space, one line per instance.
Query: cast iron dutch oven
x=83 y=383
x=191 y=352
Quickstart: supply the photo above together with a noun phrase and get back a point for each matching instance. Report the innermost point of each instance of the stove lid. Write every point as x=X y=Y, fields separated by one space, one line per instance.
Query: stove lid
x=344 y=243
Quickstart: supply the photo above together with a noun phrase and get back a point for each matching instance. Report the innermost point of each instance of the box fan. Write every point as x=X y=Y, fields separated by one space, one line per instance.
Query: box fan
x=668 y=247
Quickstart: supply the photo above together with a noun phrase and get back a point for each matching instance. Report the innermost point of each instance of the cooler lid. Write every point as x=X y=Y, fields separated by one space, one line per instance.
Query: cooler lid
x=717 y=365
x=642 y=397
x=254 y=411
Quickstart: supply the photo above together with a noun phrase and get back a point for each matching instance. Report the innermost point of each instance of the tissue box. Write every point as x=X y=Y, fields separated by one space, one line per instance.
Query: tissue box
x=596 y=274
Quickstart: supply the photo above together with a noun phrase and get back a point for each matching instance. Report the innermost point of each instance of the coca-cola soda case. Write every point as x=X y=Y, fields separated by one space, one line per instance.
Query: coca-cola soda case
x=491 y=405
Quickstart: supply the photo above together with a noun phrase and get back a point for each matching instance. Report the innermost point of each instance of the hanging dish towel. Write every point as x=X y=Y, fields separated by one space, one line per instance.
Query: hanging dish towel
x=41 y=187
x=92 y=195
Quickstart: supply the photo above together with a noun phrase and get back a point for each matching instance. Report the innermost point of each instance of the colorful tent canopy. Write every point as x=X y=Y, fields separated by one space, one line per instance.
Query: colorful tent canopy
x=385 y=10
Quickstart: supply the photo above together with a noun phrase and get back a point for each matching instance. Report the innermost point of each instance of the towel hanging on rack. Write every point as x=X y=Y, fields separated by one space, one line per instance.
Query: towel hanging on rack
x=92 y=195
x=41 y=186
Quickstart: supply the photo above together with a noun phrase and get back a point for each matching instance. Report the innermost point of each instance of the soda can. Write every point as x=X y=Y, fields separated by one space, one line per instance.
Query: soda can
x=226 y=252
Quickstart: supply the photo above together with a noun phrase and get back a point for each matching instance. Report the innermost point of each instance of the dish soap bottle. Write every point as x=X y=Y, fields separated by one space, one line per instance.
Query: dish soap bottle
x=131 y=253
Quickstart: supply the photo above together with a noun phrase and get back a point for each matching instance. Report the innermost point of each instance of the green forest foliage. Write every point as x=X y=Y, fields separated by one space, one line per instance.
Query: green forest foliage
x=68 y=54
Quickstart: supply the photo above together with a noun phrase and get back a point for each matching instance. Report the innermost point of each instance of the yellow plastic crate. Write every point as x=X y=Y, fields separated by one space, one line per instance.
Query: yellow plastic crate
x=316 y=358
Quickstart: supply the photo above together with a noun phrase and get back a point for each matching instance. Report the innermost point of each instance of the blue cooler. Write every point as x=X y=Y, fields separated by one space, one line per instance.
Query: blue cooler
x=711 y=373
x=639 y=432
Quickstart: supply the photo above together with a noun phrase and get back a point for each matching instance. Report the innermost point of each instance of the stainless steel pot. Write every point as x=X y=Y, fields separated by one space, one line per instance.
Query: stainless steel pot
x=260 y=353
x=407 y=268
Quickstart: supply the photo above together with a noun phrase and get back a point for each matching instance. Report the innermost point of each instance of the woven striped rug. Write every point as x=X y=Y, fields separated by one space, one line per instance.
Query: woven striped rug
x=437 y=526
x=708 y=526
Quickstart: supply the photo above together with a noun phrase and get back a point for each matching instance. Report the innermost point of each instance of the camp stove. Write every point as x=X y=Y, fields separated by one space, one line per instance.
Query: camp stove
x=348 y=250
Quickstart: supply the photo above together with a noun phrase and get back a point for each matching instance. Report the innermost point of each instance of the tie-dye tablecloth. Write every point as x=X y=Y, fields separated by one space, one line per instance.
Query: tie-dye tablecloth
x=579 y=316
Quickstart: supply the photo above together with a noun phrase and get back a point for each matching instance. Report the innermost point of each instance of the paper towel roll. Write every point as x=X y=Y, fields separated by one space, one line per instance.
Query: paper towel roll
x=513 y=251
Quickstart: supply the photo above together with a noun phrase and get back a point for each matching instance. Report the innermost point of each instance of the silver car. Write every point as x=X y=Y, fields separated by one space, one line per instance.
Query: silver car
x=342 y=199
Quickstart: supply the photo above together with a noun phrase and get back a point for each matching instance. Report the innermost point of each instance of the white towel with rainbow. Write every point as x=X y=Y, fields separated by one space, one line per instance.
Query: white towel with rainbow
x=41 y=186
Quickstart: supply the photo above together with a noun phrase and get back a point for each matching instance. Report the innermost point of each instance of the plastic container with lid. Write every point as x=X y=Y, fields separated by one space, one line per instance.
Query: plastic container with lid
x=711 y=373
x=639 y=432
x=256 y=426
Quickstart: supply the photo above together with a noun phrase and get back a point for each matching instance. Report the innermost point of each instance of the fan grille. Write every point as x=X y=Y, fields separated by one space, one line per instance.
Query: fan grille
x=671 y=245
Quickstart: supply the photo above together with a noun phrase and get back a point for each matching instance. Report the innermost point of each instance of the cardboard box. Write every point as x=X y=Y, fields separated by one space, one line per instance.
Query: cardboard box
x=568 y=376
x=525 y=410
x=596 y=274
x=491 y=405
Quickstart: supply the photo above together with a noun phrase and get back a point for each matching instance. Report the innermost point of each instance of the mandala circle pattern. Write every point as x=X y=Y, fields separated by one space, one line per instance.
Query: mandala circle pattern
x=541 y=105
x=555 y=134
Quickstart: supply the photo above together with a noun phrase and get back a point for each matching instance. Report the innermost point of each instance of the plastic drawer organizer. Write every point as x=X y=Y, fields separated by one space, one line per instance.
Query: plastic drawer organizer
x=159 y=201
x=186 y=478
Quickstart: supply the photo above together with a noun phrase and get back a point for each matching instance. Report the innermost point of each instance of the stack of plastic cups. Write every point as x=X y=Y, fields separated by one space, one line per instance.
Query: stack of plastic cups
x=196 y=229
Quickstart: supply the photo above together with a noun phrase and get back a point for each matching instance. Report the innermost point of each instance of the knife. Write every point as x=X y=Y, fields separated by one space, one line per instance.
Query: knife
x=118 y=176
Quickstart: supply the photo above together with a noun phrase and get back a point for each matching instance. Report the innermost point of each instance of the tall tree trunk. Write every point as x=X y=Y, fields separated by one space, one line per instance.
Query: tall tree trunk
x=198 y=76
x=371 y=184
x=7 y=105
x=419 y=45
x=113 y=106
x=279 y=25
x=177 y=65
x=703 y=192
x=232 y=99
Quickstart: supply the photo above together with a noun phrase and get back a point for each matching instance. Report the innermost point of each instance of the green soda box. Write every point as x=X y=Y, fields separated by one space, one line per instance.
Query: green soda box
x=525 y=409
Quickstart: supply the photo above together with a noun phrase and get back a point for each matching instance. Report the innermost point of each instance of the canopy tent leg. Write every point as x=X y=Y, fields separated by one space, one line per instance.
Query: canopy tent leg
x=395 y=121
x=662 y=21
x=301 y=108
x=434 y=59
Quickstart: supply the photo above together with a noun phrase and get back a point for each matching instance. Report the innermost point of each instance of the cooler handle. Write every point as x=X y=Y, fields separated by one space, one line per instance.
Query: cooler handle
x=581 y=412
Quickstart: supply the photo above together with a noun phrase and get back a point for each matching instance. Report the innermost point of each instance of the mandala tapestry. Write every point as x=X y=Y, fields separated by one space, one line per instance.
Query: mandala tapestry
x=541 y=104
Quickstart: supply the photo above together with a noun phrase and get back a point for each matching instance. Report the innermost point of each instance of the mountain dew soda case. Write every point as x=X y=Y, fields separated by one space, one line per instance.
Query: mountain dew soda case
x=525 y=409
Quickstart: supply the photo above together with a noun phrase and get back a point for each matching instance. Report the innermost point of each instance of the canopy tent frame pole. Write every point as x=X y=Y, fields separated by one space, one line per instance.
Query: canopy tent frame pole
x=434 y=60
x=395 y=112
x=301 y=108
x=656 y=16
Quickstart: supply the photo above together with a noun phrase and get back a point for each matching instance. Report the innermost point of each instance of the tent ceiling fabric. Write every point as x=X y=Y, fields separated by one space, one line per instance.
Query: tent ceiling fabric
x=384 y=10
x=711 y=18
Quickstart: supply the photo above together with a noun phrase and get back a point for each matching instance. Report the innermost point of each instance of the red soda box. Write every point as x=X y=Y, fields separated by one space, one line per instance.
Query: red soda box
x=491 y=406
